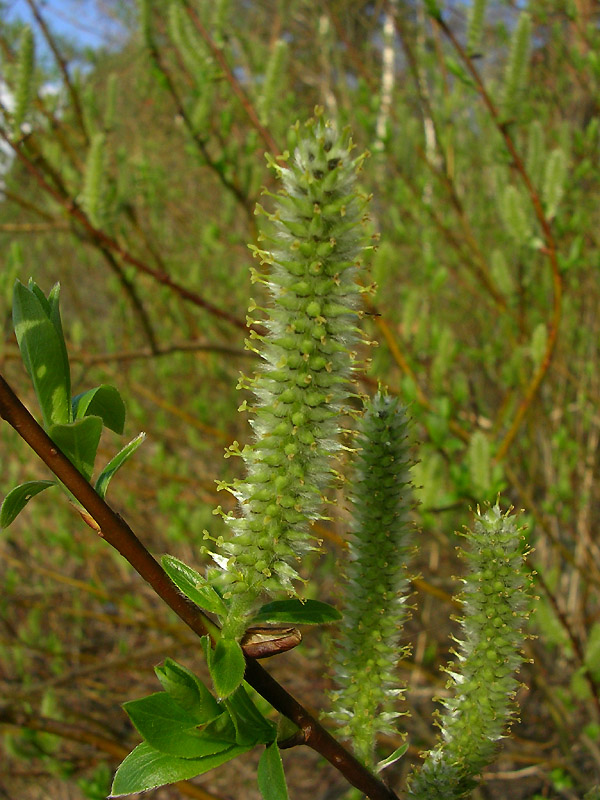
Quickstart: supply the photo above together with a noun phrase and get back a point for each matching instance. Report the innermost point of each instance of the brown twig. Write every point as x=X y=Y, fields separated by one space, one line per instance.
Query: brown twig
x=573 y=639
x=62 y=65
x=219 y=56
x=198 y=140
x=102 y=238
x=549 y=242
x=77 y=733
x=114 y=530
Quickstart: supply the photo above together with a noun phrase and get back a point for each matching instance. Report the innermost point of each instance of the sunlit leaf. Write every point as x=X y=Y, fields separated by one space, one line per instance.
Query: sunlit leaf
x=193 y=585
x=270 y=775
x=167 y=727
x=295 y=611
x=16 y=500
x=188 y=690
x=116 y=463
x=103 y=401
x=79 y=442
x=146 y=768
x=43 y=353
x=227 y=666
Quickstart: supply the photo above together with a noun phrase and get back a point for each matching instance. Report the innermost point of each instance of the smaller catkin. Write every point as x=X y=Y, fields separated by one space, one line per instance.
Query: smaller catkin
x=375 y=608
x=495 y=603
x=475 y=18
x=516 y=71
x=92 y=199
x=314 y=237
x=24 y=79
x=271 y=88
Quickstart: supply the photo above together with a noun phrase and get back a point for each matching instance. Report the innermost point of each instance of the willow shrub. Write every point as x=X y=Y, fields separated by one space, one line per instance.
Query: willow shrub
x=307 y=339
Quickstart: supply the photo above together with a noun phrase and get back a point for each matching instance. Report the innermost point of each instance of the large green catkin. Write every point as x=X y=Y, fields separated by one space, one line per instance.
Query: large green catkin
x=495 y=604
x=315 y=237
x=377 y=582
x=24 y=79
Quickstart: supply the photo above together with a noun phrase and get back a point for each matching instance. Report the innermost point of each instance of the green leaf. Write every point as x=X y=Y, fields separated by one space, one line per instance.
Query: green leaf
x=146 y=768
x=104 y=401
x=193 y=585
x=391 y=759
x=116 y=463
x=43 y=352
x=167 y=727
x=79 y=442
x=295 y=611
x=457 y=69
x=250 y=725
x=227 y=665
x=16 y=500
x=54 y=308
x=270 y=775
x=188 y=691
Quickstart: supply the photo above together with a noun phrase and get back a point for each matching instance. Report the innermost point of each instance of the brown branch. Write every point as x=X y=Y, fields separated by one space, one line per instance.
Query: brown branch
x=131 y=291
x=219 y=56
x=113 y=528
x=549 y=249
x=62 y=65
x=198 y=140
x=100 y=238
x=77 y=733
x=573 y=639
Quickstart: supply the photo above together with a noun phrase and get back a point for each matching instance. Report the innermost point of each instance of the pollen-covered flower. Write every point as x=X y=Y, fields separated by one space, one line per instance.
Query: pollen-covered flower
x=313 y=240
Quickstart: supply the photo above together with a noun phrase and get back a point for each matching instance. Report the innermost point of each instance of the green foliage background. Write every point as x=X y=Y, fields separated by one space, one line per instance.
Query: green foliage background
x=134 y=185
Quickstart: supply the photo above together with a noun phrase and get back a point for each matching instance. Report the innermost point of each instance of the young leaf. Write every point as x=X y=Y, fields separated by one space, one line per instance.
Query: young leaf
x=116 y=463
x=146 y=768
x=297 y=612
x=167 y=727
x=103 y=401
x=227 y=665
x=270 y=775
x=250 y=725
x=16 y=500
x=54 y=315
x=79 y=442
x=188 y=691
x=391 y=759
x=42 y=350
x=193 y=585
